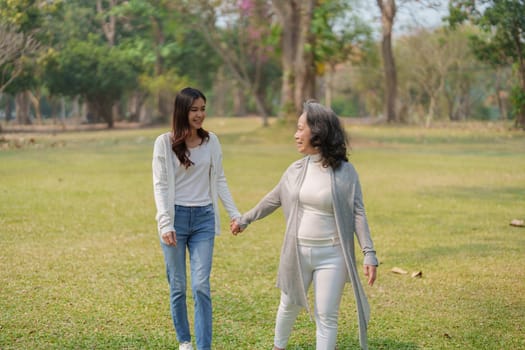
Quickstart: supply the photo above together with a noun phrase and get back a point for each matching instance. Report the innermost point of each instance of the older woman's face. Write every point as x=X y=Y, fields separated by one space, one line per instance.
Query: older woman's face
x=302 y=137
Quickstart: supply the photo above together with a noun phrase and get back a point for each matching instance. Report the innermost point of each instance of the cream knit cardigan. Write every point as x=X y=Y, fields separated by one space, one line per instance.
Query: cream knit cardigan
x=164 y=163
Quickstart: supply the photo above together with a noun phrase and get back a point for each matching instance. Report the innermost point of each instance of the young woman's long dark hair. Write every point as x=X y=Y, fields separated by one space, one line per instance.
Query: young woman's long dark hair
x=328 y=135
x=181 y=125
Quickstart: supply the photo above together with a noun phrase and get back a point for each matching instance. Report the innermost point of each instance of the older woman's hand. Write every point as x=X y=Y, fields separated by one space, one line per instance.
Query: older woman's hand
x=371 y=273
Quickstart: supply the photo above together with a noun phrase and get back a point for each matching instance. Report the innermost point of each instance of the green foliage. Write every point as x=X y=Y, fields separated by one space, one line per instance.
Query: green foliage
x=87 y=69
x=345 y=107
x=339 y=34
x=28 y=78
x=75 y=22
x=193 y=57
x=23 y=25
x=167 y=82
x=517 y=97
x=503 y=23
x=101 y=74
x=27 y=14
x=453 y=82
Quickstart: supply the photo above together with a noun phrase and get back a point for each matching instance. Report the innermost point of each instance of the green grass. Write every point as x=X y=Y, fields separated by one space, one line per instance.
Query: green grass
x=81 y=267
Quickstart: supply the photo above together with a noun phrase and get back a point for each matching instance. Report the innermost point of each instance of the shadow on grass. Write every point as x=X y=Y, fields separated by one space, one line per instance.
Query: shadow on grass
x=390 y=344
x=353 y=344
x=114 y=341
x=478 y=192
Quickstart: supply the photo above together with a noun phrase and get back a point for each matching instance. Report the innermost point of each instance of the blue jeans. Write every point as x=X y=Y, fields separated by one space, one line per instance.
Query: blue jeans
x=195 y=229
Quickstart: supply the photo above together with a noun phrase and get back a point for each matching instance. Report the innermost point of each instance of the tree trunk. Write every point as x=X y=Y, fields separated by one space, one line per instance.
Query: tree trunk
x=221 y=89
x=135 y=104
x=75 y=108
x=162 y=103
x=520 y=113
x=430 y=114
x=53 y=104
x=8 y=107
x=329 y=82
x=239 y=101
x=22 y=108
x=305 y=64
x=109 y=25
x=298 y=66
x=388 y=13
x=35 y=101
x=103 y=109
x=259 y=102
x=63 y=111
x=288 y=13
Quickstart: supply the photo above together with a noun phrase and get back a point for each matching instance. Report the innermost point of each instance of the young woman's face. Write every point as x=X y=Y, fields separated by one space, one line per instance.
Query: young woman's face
x=197 y=114
x=302 y=137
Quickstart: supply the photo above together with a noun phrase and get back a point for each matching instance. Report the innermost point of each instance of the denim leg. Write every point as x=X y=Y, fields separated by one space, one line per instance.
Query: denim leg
x=200 y=246
x=175 y=259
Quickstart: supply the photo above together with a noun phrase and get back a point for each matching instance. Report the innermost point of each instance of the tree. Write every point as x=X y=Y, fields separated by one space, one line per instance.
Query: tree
x=98 y=73
x=364 y=82
x=388 y=12
x=143 y=25
x=22 y=39
x=14 y=46
x=339 y=37
x=242 y=35
x=389 y=9
x=298 y=64
x=437 y=74
x=502 y=41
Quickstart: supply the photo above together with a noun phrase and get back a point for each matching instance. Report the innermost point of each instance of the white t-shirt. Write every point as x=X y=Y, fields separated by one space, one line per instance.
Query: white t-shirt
x=192 y=185
x=315 y=202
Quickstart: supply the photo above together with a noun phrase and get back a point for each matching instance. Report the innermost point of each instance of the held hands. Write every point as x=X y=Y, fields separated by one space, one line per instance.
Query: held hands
x=371 y=273
x=235 y=228
x=170 y=238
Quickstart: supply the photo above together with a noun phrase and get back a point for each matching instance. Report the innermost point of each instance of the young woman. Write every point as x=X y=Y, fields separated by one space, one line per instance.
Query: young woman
x=188 y=180
x=321 y=198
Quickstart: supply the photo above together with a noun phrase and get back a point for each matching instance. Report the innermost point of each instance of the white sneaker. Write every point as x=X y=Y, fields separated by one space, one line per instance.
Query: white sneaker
x=185 y=346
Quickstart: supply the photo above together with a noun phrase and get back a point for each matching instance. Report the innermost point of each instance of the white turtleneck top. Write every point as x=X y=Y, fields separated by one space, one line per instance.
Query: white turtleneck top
x=317 y=226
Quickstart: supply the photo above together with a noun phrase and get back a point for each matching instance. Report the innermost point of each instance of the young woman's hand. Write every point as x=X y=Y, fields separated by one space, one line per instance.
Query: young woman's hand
x=170 y=238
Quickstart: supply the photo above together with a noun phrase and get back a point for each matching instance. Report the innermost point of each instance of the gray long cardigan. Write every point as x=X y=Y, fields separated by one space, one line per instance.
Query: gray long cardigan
x=350 y=218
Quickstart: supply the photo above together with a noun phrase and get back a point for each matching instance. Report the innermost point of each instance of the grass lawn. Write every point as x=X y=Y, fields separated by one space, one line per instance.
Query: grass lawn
x=81 y=266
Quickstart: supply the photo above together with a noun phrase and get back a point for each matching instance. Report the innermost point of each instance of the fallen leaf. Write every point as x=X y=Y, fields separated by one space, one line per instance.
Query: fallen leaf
x=417 y=274
x=399 y=271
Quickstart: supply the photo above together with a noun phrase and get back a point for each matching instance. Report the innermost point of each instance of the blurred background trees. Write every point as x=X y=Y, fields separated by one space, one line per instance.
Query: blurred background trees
x=500 y=43
x=122 y=61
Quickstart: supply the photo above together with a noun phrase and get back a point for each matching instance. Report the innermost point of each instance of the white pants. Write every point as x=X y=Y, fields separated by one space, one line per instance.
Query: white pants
x=325 y=267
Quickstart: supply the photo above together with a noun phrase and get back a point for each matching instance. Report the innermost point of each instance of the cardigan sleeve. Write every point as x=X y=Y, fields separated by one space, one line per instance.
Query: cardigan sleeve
x=362 y=229
x=160 y=186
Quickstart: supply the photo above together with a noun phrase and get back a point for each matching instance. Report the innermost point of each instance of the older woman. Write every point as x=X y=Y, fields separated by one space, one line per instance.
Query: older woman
x=321 y=198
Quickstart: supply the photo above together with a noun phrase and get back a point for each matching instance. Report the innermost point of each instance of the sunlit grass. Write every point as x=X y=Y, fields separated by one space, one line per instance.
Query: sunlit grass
x=81 y=266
